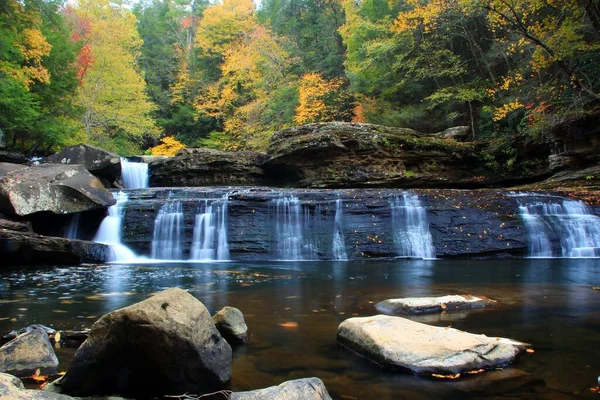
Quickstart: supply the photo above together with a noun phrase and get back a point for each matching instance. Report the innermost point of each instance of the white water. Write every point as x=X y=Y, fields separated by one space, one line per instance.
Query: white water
x=109 y=231
x=572 y=222
x=411 y=227
x=168 y=229
x=338 y=245
x=73 y=227
x=210 y=232
x=289 y=239
x=134 y=175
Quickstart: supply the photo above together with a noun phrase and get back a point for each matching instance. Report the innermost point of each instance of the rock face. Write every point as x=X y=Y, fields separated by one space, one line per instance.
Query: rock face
x=206 y=167
x=400 y=343
x=17 y=226
x=340 y=154
x=457 y=133
x=14 y=158
x=5 y=168
x=422 y=305
x=230 y=323
x=55 y=188
x=12 y=388
x=19 y=248
x=28 y=352
x=298 y=389
x=99 y=162
x=166 y=344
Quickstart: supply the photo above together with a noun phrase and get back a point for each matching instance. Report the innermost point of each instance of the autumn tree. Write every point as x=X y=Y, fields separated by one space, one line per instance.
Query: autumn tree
x=117 y=112
x=322 y=100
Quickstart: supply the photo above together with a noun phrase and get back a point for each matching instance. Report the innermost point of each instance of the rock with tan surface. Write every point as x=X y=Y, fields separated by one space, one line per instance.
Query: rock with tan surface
x=422 y=305
x=298 y=389
x=400 y=343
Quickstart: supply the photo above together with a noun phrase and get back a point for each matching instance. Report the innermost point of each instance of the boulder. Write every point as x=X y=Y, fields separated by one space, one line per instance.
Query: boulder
x=421 y=305
x=27 y=353
x=166 y=344
x=99 y=162
x=14 y=158
x=59 y=189
x=207 y=167
x=17 y=226
x=456 y=133
x=399 y=343
x=298 y=389
x=343 y=154
x=13 y=334
x=12 y=388
x=19 y=248
x=230 y=323
x=5 y=168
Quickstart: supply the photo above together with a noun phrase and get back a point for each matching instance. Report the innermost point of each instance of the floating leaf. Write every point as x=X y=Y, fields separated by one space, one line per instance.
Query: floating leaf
x=289 y=325
x=59 y=311
x=530 y=350
x=440 y=376
x=57 y=337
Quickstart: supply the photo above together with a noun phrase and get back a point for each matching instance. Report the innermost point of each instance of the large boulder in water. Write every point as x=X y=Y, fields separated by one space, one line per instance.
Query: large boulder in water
x=166 y=344
x=207 y=167
x=99 y=162
x=424 y=305
x=400 y=343
x=298 y=389
x=24 y=248
x=343 y=154
x=55 y=188
x=27 y=353
x=231 y=324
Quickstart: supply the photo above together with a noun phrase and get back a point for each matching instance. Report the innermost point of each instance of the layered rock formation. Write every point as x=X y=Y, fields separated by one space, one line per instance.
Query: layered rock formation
x=103 y=164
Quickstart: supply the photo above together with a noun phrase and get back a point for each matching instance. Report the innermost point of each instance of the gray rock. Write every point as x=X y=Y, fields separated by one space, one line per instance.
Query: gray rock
x=456 y=133
x=11 y=387
x=5 y=168
x=59 y=189
x=17 y=226
x=166 y=344
x=230 y=322
x=98 y=161
x=298 y=389
x=28 y=352
x=421 y=305
x=14 y=158
x=400 y=343
x=13 y=334
x=22 y=248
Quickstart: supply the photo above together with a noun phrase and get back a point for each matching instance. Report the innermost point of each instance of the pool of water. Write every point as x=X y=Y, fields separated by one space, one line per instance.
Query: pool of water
x=552 y=304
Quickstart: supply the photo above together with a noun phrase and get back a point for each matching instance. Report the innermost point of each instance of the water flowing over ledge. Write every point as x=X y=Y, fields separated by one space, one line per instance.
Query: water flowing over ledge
x=134 y=174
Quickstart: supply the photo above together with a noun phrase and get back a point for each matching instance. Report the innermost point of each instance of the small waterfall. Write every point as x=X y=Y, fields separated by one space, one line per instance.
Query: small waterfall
x=134 y=174
x=288 y=228
x=168 y=232
x=338 y=246
x=571 y=221
x=73 y=228
x=109 y=231
x=411 y=227
x=210 y=232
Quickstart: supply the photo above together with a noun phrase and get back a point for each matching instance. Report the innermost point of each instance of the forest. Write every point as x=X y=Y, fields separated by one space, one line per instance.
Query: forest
x=154 y=76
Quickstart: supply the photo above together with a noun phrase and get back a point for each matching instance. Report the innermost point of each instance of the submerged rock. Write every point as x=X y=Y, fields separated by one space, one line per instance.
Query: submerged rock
x=206 y=167
x=163 y=345
x=12 y=388
x=395 y=342
x=27 y=353
x=98 y=161
x=21 y=248
x=230 y=323
x=298 y=389
x=59 y=189
x=421 y=305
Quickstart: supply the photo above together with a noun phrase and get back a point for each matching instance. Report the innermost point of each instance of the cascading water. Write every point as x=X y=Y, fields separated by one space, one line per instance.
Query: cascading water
x=168 y=232
x=109 y=231
x=411 y=227
x=338 y=245
x=210 y=232
x=134 y=174
x=289 y=238
x=73 y=228
x=571 y=221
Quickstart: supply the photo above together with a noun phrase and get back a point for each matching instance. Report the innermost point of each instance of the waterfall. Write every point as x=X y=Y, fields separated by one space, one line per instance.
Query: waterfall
x=338 y=246
x=411 y=227
x=571 y=221
x=210 y=232
x=288 y=228
x=109 y=231
x=73 y=227
x=168 y=229
x=134 y=174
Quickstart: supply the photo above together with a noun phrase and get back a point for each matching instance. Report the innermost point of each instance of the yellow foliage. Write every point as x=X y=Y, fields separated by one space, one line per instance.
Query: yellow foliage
x=501 y=112
x=319 y=99
x=169 y=147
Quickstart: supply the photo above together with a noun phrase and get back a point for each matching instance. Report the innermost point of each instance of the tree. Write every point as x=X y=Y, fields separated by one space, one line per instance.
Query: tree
x=322 y=100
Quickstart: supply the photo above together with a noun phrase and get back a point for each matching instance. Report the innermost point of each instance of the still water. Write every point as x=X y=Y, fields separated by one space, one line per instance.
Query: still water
x=553 y=304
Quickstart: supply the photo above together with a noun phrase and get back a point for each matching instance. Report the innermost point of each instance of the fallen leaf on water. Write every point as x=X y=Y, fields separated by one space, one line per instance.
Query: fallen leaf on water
x=91 y=316
x=57 y=337
x=289 y=325
x=59 y=311
x=530 y=350
x=13 y=320
x=440 y=376
x=38 y=377
x=476 y=371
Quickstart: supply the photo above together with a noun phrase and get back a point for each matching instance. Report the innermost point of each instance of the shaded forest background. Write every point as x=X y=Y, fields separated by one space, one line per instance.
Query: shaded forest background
x=157 y=75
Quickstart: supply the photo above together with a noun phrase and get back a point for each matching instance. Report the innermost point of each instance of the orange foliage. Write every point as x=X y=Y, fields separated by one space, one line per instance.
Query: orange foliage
x=320 y=100
x=169 y=147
